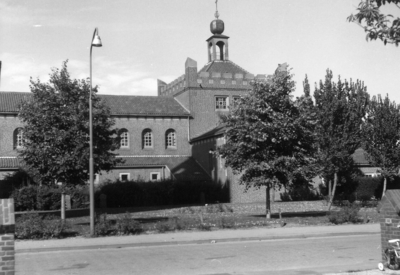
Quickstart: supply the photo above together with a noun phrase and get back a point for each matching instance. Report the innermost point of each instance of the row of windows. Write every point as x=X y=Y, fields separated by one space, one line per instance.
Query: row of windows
x=148 y=139
x=222 y=102
x=154 y=176
x=211 y=81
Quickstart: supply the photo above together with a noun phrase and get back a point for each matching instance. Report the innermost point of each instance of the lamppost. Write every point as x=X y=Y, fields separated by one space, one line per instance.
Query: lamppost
x=97 y=43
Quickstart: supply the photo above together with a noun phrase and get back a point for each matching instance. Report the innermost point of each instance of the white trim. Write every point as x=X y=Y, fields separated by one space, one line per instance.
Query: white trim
x=155 y=173
x=156 y=156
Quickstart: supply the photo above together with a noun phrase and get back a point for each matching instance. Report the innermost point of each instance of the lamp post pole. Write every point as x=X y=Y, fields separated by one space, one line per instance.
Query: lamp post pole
x=97 y=43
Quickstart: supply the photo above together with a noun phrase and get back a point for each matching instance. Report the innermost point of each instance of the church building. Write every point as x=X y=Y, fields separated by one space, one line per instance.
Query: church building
x=171 y=135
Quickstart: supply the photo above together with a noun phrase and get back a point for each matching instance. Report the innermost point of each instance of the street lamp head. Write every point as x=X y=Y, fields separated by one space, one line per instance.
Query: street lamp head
x=96 y=42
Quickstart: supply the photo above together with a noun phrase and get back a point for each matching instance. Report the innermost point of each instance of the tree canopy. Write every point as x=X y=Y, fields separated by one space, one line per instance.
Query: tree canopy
x=56 y=130
x=382 y=136
x=341 y=109
x=378 y=25
x=269 y=140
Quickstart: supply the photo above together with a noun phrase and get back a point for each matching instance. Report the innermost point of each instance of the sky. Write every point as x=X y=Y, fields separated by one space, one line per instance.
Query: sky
x=148 y=40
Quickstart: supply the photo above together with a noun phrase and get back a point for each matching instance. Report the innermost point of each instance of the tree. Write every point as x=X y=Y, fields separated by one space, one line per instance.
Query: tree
x=269 y=141
x=340 y=109
x=56 y=130
x=383 y=136
x=377 y=25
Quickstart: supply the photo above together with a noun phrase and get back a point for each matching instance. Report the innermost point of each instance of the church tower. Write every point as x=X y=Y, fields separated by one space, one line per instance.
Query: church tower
x=217 y=45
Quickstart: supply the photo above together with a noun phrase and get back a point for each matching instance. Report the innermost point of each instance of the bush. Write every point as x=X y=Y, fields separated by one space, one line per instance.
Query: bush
x=125 y=225
x=43 y=197
x=33 y=226
x=138 y=193
x=368 y=188
x=348 y=213
x=103 y=226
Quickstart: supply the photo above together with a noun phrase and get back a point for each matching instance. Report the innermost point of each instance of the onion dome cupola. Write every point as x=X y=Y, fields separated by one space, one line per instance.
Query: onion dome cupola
x=217 y=45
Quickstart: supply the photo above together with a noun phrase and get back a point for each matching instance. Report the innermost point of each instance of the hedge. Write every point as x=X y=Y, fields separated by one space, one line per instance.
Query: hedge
x=35 y=197
x=133 y=194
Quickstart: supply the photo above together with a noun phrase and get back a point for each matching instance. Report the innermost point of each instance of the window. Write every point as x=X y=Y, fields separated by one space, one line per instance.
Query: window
x=244 y=82
x=18 y=138
x=124 y=135
x=155 y=176
x=233 y=82
x=170 y=139
x=147 y=139
x=221 y=103
x=124 y=176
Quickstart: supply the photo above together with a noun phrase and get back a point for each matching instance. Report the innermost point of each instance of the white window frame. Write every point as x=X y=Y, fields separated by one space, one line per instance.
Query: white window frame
x=155 y=173
x=124 y=139
x=170 y=139
x=148 y=140
x=221 y=102
x=124 y=174
x=20 y=139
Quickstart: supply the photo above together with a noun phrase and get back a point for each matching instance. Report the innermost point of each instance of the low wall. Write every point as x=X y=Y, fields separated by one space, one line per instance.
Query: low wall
x=7 y=229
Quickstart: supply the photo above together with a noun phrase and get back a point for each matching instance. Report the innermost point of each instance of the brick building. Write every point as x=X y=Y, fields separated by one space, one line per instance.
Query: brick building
x=165 y=136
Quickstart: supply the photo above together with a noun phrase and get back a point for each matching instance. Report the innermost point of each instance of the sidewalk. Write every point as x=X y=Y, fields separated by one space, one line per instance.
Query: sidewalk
x=197 y=237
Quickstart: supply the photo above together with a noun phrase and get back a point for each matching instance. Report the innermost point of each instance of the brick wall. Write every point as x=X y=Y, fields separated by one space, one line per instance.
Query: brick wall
x=7 y=228
x=389 y=228
x=159 y=127
x=8 y=124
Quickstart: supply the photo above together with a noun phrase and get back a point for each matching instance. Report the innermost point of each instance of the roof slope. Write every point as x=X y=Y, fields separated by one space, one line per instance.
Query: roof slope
x=119 y=104
x=182 y=167
x=223 y=66
x=393 y=197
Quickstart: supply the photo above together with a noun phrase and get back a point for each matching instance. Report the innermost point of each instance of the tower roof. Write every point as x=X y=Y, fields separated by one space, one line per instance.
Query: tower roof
x=223 y=66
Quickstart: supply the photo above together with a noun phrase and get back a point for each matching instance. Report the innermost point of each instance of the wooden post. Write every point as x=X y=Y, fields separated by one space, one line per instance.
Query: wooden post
x=267 y=203
x=63 y=206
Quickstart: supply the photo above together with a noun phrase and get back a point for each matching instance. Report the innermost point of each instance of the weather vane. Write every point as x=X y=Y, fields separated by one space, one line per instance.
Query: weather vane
x=216 y=9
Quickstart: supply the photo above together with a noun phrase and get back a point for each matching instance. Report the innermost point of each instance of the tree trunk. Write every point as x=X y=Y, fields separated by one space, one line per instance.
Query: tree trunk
x=330 y=188
x=267 y=203
x=384 y=186
x=335 y=179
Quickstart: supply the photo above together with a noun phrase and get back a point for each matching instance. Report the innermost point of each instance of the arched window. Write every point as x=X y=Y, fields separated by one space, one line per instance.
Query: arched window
x=124 y=135
x=170 y=139
x=220 y=47
x=147 y=139
x=18 y=138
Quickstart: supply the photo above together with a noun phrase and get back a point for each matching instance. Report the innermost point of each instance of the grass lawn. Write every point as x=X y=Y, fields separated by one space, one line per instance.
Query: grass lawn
x=213 y=217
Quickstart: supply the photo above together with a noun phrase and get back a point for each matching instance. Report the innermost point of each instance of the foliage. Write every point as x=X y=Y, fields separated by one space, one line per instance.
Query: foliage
x=126 y=225
x=269 y=139
x=103 y=226
x=368 y=188
x=33 y=226
x=12 y=181
x=348 y=213
x=136 y=193
x=376 y=24
x=33 y=197
x=383 y=135
x=340 y=109
x=56 y=131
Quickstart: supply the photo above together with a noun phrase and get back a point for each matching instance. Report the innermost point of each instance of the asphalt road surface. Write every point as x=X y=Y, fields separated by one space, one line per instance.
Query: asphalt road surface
x=292 y=256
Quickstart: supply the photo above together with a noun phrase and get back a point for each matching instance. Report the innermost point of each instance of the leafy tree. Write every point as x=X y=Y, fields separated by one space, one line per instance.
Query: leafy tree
x=383 y=136
x=377 y=25
x=56 y=131
x=340 y=109
x=269 y=140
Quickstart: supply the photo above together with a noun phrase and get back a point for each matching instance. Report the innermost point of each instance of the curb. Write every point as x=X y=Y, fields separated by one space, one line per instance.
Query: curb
x=204 y=241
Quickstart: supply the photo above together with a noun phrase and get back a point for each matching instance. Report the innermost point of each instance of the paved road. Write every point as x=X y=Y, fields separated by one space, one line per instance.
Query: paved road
x=317 y=255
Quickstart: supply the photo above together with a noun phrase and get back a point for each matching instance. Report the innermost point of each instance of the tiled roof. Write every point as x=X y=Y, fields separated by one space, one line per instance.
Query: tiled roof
x=144 y=105
x=182 y=167
x=217 y=131
x=11 y=101
x=393 y=197
x=119 y=104
x=223 y=66
x=359 y=157
x=9 y=163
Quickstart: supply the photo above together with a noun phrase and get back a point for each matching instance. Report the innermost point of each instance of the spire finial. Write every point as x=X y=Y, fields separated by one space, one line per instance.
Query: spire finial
x=216 y=9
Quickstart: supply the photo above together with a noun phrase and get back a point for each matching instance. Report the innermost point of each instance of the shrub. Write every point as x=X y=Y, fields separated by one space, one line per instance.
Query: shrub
x=140 y=193
x=103 y=226
x=163 y=226
x=227 y=222
x=126 y=225
x=348 y=213
x=33 y=226
x=43 y=197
